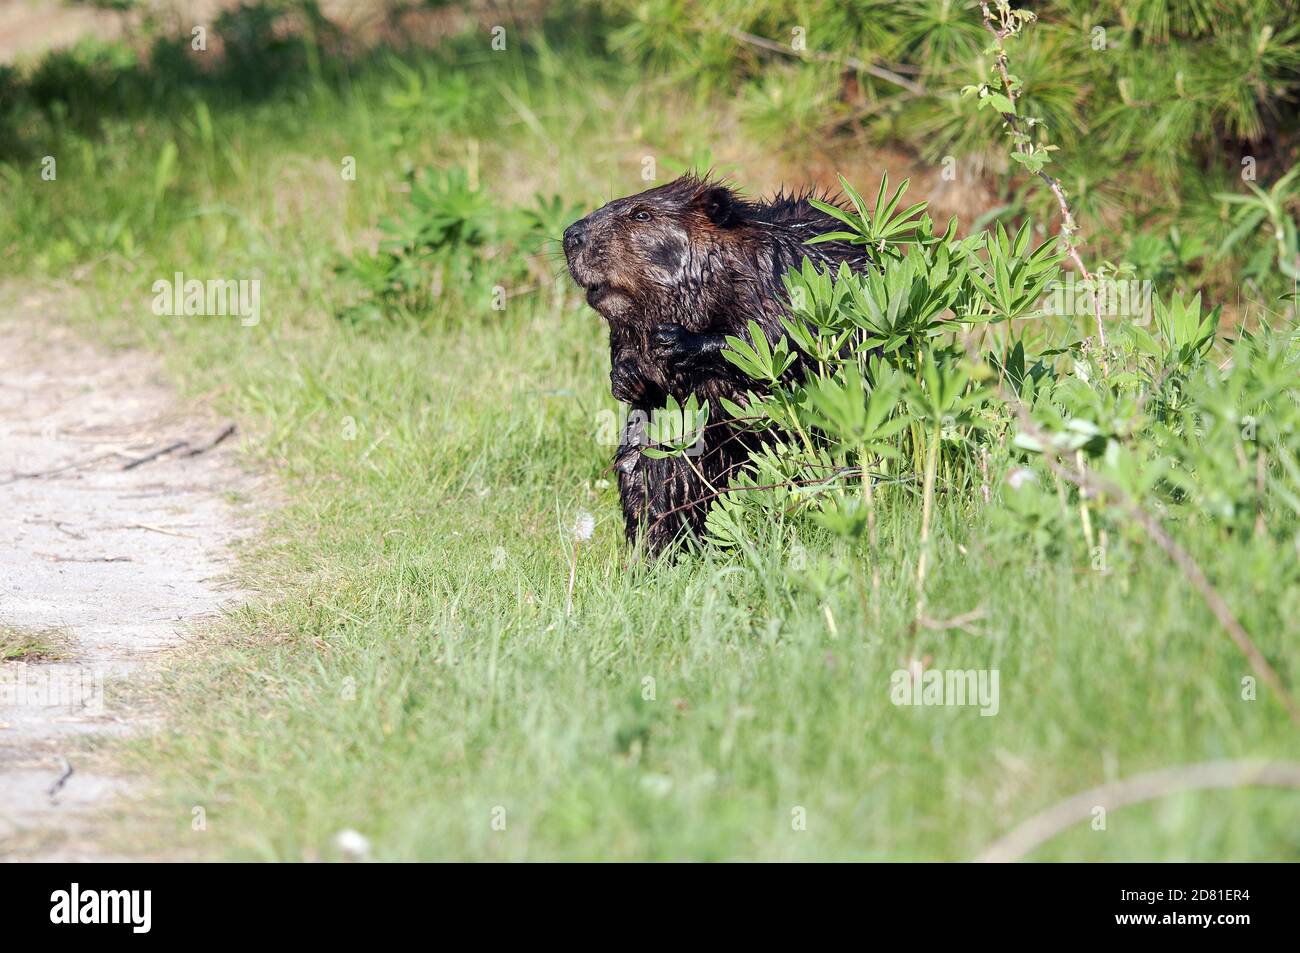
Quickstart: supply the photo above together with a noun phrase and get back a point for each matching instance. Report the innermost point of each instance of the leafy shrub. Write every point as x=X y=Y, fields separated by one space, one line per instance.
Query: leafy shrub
x=905 y=393
x=452 y=243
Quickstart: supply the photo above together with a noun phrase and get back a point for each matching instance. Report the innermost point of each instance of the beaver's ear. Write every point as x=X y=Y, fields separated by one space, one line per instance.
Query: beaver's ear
x=719 y=203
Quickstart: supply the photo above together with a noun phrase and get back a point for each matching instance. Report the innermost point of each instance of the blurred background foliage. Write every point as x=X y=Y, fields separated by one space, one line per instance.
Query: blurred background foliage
x=1162 y=109
x=1176 y=119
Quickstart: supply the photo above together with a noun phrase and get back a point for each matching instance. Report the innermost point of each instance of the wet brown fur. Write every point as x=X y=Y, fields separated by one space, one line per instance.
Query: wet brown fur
x=673 y=270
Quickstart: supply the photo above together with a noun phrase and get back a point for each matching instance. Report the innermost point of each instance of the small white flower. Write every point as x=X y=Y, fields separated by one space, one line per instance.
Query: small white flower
x=353 y=845
x=1019 y=477
x=583 y=527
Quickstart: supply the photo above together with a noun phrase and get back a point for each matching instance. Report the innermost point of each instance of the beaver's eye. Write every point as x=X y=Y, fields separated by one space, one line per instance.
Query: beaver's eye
x=640 y=215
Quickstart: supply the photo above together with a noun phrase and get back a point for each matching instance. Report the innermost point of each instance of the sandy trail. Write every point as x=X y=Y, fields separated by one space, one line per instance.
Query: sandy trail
x=115 y=565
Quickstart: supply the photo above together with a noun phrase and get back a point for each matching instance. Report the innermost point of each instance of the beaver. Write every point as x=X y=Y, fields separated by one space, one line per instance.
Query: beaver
x=674 y=270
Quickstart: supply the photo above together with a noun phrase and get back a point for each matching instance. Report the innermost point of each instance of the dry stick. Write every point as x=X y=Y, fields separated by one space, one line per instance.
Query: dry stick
x=1068 y=224
x=160 y=529
x=75 y=465
x=56 y=558
x=1084 y=519
x=956 y=622
x=573 y=576
x=927 y=505
x=869 y=501
x=140 y=461
x=1045 y=825
x=1191 y=569
x=62 y=779
x=889 y=76
x=66 y=532
x=1261 y=475
x=226 y=431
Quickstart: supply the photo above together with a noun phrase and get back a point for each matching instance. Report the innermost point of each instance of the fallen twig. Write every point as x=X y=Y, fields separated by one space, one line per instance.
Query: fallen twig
x=955 y=622
x=57 y=525
x=226 y=431
x=1045 y=825
x=62 y=779
x=159 y=529
x=149 y=457
x=75 y=465
x=55 y=558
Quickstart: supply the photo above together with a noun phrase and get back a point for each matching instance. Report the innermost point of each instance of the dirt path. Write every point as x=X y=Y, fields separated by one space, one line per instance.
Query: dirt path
x=108 y=566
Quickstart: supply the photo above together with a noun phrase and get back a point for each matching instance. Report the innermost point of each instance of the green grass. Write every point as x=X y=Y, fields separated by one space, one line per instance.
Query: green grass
x=31 y=645
x=409 y=669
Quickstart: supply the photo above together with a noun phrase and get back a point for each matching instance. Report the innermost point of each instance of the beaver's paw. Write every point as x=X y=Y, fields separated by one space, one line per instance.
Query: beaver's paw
x=627 y=383
x=674 y=346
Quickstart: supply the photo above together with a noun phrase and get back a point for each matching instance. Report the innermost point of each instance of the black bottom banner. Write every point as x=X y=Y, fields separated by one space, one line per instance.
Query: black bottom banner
x=137 y=903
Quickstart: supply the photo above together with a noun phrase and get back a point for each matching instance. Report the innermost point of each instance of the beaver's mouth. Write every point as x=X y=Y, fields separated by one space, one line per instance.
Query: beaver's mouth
x=601 y=291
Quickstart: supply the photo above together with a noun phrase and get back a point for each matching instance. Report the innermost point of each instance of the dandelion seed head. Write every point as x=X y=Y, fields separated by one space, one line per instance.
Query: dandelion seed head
x=353 y=845
x=583 y=527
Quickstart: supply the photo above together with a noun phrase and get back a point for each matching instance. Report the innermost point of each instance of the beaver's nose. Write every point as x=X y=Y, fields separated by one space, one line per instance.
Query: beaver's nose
x=575 y=236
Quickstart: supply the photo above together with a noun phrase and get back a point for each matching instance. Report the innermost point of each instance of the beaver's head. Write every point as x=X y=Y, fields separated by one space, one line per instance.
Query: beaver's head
x=656 y=251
